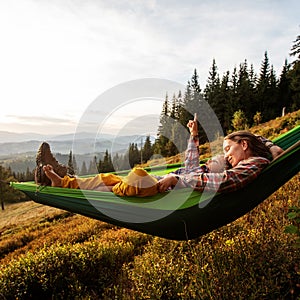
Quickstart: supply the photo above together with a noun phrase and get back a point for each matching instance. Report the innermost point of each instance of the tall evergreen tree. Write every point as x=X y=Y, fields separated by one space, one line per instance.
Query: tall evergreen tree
x=7 y=194
x=174 y=108
x=187 y=98
x=177 y=141
x=29 y=175
x=252 y=77
x=212 y=84
x=213 y=94
x=147 y=149
x=195 y=101
x=71 y=168
x=233 y=90
x=196 y=104
x=225 y=95
x=284 y=95
x=274 y=108
x=295 y=50
x=164 y=130
x=245 y=91
x=179 y=106
x=106 y=165
x=133 y=155
x=294 y=75
x=264 y=90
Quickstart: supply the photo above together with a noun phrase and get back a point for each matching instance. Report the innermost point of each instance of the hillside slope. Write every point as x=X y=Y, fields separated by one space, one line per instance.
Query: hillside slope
x=50 y=253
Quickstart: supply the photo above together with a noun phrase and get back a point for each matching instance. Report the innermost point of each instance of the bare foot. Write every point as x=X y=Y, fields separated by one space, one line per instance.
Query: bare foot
x=55 y=179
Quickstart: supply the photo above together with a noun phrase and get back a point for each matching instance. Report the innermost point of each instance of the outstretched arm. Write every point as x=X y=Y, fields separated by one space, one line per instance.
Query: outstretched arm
x=192 y=152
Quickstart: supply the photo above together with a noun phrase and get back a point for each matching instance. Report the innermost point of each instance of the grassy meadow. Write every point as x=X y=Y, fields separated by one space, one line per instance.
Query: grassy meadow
x=46 y=253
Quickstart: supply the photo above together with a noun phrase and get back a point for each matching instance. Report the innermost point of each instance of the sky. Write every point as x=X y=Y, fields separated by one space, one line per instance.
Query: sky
x=58 y=57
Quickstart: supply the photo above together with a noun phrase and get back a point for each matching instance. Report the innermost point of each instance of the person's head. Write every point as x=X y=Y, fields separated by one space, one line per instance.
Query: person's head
x=216 y=164
x=241 y=145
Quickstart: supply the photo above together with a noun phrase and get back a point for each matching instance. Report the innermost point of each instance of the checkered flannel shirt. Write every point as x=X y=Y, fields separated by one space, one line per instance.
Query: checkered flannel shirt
x=230 y=180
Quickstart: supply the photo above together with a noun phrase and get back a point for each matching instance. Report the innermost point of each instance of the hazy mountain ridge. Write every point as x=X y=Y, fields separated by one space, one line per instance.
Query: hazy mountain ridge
x=21 y=154
x=81 y=143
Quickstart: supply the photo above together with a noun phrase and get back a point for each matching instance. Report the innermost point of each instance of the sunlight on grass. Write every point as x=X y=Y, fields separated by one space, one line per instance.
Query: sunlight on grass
x=73 y=255
x=46 y=252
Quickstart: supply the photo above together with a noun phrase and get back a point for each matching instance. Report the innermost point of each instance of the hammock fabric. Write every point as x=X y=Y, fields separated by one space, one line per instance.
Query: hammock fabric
x=180 y=214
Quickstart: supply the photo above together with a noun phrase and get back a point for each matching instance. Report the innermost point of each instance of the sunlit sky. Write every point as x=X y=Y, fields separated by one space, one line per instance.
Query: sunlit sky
x=57 y=57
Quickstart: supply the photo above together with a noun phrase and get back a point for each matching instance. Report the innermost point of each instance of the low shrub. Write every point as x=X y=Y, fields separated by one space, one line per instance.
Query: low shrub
x=64 y=271
x=251 y=258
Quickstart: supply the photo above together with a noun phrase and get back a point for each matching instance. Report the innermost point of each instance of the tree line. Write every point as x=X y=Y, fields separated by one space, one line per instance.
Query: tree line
x=108 y=163
x=239 y=100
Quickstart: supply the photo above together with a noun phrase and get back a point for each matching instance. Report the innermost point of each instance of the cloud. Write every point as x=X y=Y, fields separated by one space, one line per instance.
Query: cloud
x=58 y=56
x=36 y=124
x=39 y=120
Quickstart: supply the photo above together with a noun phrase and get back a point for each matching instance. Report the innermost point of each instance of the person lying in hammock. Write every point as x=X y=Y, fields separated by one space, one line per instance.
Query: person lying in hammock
x=137 y=183
x=246 y=154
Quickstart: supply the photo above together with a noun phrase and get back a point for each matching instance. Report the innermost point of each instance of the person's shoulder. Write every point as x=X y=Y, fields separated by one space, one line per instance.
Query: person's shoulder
x=259 y=159
x=256 y=160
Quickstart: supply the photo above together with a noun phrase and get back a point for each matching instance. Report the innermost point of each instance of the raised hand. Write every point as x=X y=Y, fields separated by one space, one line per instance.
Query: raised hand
x=193 y=126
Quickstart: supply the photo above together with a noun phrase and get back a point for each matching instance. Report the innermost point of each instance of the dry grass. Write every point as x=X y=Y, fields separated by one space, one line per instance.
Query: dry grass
x=24 y=213
x=50 y=253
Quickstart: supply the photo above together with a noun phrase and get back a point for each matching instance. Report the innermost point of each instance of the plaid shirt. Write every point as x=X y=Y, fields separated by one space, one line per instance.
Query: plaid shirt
x=228 y=181
x=191 y=162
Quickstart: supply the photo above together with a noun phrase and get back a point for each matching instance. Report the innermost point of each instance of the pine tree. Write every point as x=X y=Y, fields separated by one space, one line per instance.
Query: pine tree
x=71 y=168
x=147 y=149
x=179 y=105
x=171 y=149
x=193 y=105
x=29 y=175
x=245 y=93
x=295 y=50
x=274 y=108
x=263 y=88
x=106 y=165
x=213 y=83
x=252 y=77
x=233 y=91
x=163 y=129
x=177 y=140
x=213 y=95
x=7 y=194
x=174 y=108
x=284 y=95
x=294 y=75
x=133 y=155
x=225 y=95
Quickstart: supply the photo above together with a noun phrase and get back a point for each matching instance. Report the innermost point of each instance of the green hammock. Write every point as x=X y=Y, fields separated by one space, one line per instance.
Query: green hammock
x=179 y=214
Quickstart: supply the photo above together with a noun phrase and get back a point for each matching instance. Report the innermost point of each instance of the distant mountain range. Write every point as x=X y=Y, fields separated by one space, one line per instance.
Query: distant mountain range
x=15 y=143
